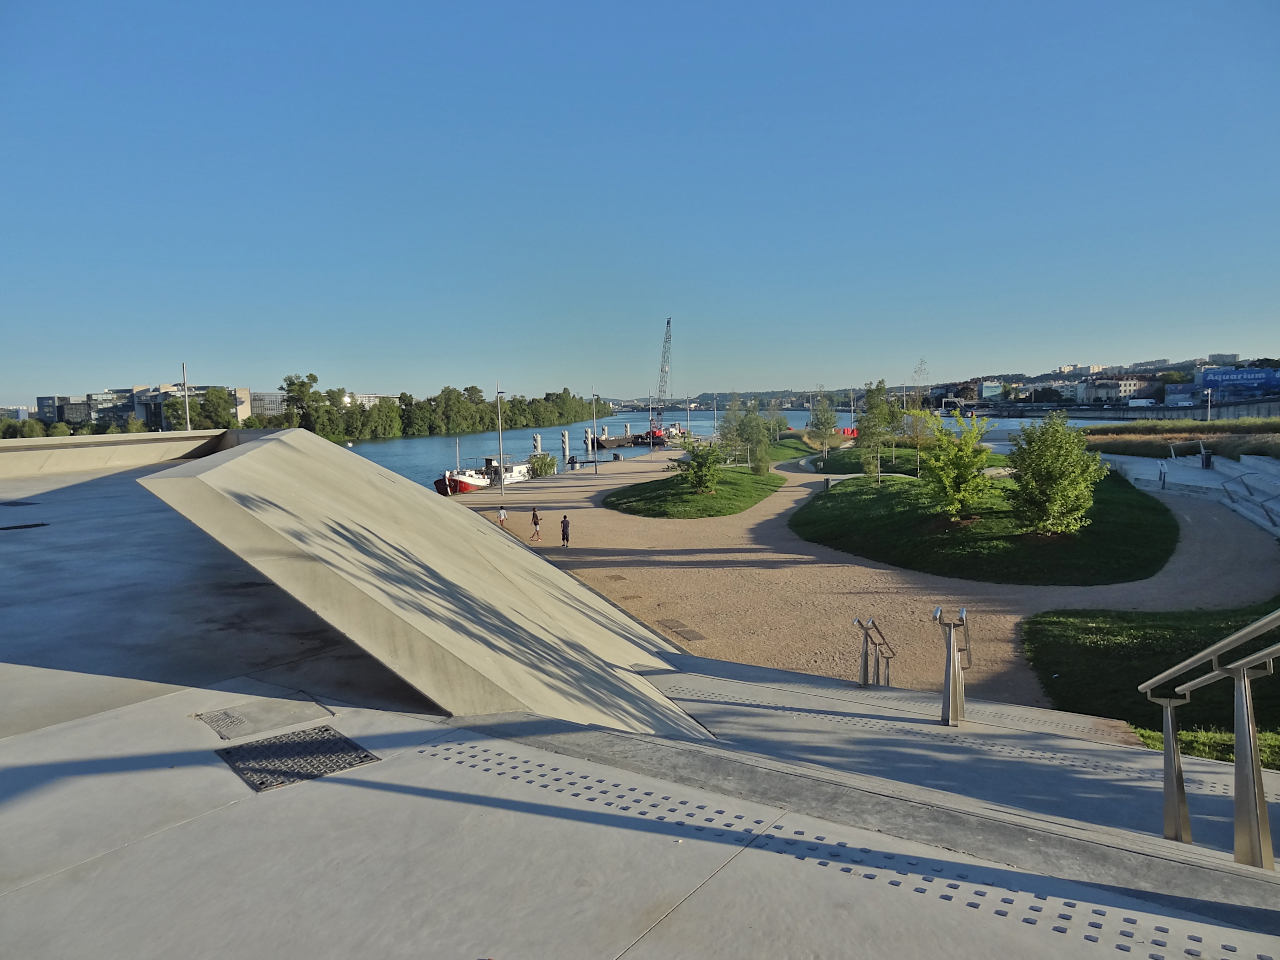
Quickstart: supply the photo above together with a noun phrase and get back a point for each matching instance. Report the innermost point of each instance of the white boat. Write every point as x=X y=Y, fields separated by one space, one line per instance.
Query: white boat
x=470 y=479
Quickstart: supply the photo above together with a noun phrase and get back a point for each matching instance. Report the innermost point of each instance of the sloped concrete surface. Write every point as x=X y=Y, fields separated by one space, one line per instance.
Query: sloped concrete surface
x=123 y=836
x=462 y=612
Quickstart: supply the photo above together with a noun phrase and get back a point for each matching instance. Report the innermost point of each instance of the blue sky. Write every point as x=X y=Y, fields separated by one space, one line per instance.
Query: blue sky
x=402 y=195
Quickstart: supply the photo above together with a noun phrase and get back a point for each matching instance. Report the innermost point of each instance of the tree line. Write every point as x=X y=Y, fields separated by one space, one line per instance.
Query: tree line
x=335 y=415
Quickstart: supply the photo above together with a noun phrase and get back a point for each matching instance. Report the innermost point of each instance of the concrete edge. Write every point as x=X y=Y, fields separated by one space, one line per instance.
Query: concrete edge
x=1192 y=880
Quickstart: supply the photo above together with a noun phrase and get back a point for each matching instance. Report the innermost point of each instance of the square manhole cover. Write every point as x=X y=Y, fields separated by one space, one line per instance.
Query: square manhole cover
x=293 y=757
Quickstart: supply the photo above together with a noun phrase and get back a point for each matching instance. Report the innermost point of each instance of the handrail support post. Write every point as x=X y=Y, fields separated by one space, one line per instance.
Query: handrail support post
x=953 y=679
x=1177 y=816
x=1252 y=823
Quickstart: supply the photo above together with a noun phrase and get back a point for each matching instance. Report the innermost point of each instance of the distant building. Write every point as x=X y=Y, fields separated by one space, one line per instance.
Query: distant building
x=266 y=404
x=368 y=400
x=13 y=413
x=1150 y=364
x=47 y=408
x=1222 y=359
x=1232 y=383
x=990 y=390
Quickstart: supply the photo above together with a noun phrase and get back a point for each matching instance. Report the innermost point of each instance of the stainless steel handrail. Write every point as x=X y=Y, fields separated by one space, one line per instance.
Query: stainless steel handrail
x=1252 y=823
x=1183 y=443
x=953 y=681
x=874 y=645
x=1239 y=476
x=1211 y=653
x=1262 y=505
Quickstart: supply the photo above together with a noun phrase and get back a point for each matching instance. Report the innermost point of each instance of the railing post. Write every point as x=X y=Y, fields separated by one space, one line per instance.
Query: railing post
x=1177 y=817
x=953 y=680
x=1252 y=824
x=864 y=671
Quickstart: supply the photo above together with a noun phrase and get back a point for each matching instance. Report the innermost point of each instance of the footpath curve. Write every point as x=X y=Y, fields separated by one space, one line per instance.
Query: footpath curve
x=745 y=588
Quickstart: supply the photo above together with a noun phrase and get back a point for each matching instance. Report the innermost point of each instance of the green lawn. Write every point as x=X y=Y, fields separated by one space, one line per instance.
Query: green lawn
x=789 y=448
x=1131 y=536
x=903 y=461
x=738 y=489
x=1091 y=661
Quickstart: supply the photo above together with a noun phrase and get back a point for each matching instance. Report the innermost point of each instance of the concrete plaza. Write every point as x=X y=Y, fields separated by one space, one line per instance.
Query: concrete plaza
x=818 y=819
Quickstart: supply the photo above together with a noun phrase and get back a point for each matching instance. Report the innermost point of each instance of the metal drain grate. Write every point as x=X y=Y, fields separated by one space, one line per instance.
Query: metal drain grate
x=294 y=757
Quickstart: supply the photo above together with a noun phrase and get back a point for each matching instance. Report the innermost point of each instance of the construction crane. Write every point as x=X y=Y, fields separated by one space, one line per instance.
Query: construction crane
x=664 y=371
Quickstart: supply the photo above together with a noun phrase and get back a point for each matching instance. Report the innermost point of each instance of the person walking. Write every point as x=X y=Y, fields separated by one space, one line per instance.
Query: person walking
x=564 y=530
x=502 y=517
x=537 y=527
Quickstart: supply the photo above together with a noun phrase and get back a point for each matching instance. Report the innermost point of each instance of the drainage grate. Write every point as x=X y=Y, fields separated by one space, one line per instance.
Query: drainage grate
x=294 y=757
x=24 y=526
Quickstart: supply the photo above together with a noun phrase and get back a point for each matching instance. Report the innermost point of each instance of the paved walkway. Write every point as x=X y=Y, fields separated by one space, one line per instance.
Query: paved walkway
x=745 y=588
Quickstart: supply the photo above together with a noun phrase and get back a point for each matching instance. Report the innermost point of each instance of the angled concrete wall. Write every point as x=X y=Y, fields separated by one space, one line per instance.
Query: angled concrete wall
x=454 y=605
x=47 y=455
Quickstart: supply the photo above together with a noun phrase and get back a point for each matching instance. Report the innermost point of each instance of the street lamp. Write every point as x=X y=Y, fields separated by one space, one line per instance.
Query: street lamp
x=595 y=443
x=1208 y=414
x=502 y=485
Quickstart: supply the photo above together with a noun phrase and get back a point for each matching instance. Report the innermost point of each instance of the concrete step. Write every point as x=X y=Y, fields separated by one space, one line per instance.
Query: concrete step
x=1171 y=876
x=1268 y=466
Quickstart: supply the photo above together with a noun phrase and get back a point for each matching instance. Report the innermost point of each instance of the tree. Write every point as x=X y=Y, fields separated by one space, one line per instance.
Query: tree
x=822 y=420
x=953 y=467
x=700 y=470
x=34 y=428
x=875 y=424
x=301 y=399
x=252 y=422
x=134 y=425
x=384 y=418
x=1055 y=476
x=217 y=411
x=59 y=429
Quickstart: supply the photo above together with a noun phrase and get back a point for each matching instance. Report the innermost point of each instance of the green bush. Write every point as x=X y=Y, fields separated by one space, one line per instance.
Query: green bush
x=952 y=467
x=543 y=464
x=1054 y=476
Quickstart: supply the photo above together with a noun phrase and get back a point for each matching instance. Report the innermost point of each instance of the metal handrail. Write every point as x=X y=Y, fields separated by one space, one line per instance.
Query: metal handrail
x=1262 y=505
x=953 y=681
x=1239 y=476
x=1252 y=824
x=874 y=645
x=1211 y=653
x=1183 y=443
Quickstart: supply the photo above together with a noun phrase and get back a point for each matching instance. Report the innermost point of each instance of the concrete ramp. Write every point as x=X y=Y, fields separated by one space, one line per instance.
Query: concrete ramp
x=456 y=606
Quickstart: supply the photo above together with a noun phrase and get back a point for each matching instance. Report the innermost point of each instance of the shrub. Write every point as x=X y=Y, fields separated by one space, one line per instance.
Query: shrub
x=701 y=470
x=1054 y=476
x=952 y=467
x=543 y=464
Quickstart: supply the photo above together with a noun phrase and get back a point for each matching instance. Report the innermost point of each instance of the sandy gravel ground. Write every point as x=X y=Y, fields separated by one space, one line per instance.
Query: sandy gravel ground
x=745 y=588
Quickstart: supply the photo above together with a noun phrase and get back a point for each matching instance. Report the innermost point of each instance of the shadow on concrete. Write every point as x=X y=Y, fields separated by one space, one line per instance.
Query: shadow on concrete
x=406 y=582
x=118 y=585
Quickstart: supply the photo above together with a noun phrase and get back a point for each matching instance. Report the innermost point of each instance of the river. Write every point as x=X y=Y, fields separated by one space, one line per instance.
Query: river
x=423 y=459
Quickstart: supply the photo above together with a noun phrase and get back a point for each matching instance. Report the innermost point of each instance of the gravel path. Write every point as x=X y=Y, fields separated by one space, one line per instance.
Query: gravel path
x=745 y=588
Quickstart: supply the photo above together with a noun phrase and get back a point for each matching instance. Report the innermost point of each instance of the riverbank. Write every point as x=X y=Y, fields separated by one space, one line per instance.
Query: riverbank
x=745 y=588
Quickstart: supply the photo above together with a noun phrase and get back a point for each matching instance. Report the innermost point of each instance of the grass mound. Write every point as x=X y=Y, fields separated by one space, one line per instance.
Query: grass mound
x=669 y=497
x=1131 y=536
x=1091 y=661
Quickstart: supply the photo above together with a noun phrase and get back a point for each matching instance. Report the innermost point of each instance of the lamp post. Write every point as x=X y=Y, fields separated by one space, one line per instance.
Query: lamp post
x=502 y=469
x=1208 y=414
x=595 y=442
x=186 y=395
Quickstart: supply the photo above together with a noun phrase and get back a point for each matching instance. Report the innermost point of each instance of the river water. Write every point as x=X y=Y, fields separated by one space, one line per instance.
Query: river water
x=423 y=459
